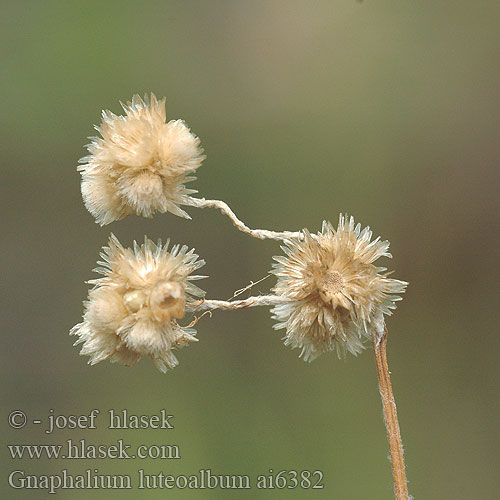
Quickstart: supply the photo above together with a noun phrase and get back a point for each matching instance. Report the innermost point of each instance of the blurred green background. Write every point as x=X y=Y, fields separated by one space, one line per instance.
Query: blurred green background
x=386 y=110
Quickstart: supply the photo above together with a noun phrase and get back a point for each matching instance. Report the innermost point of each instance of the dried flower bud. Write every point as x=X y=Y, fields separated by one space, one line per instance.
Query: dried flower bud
x=132 y=311
x=336 y=290
x=167 y=300
x=140 y=164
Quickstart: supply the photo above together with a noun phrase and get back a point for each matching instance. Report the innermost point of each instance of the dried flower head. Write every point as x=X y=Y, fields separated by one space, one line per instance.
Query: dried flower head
x=132 y=311
x=336 y=291
x=140 y=164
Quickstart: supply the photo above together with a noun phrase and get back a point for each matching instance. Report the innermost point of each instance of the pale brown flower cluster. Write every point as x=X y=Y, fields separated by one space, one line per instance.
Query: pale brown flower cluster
x=329 y=294
x=132 y=311
x=140 y=164
x=335 y=290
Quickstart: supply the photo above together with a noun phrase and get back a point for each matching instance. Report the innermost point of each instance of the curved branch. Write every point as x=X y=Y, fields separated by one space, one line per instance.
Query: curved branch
x=261 y=234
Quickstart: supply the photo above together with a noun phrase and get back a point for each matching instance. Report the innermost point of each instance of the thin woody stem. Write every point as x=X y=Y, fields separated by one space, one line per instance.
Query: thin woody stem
x=261 y=234
x=260 y=300
x=390 y=416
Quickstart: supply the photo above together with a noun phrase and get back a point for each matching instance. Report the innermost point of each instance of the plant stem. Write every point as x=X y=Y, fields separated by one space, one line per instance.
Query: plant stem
x=390 y=416
x=262 y=234
x=259 y=300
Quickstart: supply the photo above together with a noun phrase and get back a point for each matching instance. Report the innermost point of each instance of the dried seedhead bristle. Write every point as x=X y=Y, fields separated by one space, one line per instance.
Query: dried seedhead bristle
x=335 y=288
x=132 y=311
x=140 y=164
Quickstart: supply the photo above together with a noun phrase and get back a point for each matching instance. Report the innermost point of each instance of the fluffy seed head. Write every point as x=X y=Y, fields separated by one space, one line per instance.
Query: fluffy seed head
x=140 y=164
x=132 y=310
x=336 y=291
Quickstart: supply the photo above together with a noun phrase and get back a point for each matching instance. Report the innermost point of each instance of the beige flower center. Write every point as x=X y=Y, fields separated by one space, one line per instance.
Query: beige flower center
x=147 y=185
x=330 y=284
x=167 y=300
x=134 y=300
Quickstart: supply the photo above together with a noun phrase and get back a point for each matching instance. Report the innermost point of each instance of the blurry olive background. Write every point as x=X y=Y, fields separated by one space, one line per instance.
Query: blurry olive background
x=386 y=110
